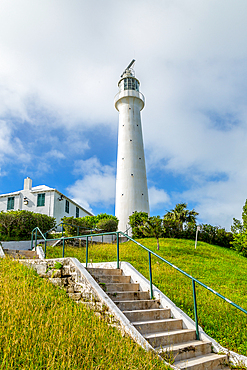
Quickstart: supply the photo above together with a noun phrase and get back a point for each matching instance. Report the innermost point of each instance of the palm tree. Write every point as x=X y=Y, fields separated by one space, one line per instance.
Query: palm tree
x=181 y=214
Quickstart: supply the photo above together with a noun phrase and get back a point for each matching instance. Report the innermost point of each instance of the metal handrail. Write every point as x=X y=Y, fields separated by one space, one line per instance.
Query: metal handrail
x=150 y=253
x=36 y=229
x=65 y=223
x=189 y=276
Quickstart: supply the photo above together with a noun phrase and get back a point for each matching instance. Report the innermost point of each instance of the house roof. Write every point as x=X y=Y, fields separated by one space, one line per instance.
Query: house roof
x=42 y=188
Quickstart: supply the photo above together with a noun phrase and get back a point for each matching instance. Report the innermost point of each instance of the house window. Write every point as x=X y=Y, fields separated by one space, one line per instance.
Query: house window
x=77 y=212
x=41 y=200
x=67 y=206
x=11 y=203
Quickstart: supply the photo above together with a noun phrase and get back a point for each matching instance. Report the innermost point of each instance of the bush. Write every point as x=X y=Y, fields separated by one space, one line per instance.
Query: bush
x=136 y=220
x=172 y=229
x=76 y=226
x=87 y=224
x=18 y=225
x=107 y=225
x=240 y=243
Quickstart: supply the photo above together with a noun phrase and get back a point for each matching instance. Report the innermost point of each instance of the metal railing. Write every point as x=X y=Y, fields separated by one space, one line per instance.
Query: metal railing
x=65 y=223
x=150 y=253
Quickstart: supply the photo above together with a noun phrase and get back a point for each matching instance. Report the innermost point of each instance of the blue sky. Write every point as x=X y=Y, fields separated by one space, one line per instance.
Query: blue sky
x=60 y=62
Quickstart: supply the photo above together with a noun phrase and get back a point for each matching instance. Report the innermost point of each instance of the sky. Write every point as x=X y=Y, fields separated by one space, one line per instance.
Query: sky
x=60 y=63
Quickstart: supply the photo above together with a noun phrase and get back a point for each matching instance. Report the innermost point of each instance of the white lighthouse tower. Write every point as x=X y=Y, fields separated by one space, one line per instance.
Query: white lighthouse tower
x=131 y=182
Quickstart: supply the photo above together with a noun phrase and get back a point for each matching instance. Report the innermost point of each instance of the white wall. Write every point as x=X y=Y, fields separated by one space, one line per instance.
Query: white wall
x=53 y=207
x=59 y=208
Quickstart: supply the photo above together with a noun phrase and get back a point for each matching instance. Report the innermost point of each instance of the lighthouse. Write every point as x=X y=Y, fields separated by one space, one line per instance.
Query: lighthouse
x=131 y=181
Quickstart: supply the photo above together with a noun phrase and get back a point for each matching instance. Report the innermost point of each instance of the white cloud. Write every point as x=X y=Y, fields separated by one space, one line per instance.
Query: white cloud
x=158 y=198
x=55 y=154
x=63 y=58
x=97 y=187
x=11 y=147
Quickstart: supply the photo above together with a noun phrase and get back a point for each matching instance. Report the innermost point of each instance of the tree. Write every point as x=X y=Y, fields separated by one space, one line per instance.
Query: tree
x=239 y=230
x=152 y=227
x=107 y=225
x=136 y=220
x=182 y=215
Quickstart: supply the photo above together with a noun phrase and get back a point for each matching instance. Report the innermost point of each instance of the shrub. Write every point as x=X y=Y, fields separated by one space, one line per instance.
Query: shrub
x=107 y=225
x=18 y=225
x=171 y=228
x=85 y=225
x=76 y=226
x=136 y=220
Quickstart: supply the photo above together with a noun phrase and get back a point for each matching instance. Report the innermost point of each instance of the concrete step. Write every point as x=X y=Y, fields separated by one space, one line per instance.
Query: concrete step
x=113 y=279
x=211 y=361
x=120 y=287
x=101 y=271
x=169 y=338
x=165 y=334
x=128 y=296
x=156 y=326
x=151 y=314
x=21 y=254
x=144 y=304
x=183 y=351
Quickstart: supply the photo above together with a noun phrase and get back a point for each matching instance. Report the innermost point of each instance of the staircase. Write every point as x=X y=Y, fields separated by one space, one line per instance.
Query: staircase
x=21 y=254
x=168 y=336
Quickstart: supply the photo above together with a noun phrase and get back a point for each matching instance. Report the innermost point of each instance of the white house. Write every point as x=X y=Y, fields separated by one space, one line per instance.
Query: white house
x=42 y=199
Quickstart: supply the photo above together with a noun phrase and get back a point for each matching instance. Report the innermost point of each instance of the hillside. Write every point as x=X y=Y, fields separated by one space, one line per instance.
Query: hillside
x=41 y=328
x=222 y=269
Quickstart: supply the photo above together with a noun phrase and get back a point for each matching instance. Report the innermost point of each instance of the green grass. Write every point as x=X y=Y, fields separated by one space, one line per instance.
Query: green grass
x=42 y=329
x=220 y=268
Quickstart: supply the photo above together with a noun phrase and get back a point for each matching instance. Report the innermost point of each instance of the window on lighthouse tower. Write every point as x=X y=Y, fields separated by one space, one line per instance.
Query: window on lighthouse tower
x=131 y=84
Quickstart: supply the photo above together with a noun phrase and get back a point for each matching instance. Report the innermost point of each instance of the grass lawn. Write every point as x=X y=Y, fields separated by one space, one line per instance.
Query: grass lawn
x=42 y=329
x=222 y=269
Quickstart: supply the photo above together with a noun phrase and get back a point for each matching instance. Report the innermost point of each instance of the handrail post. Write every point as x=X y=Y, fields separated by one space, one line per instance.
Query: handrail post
x=117 y=250
x=45 y=248
x=36 y=233
x=195 y=309
x=86 y=251
x=32 y=241
x=77 y=230
x=63 y=246
x=62 y=228
x=150 y=276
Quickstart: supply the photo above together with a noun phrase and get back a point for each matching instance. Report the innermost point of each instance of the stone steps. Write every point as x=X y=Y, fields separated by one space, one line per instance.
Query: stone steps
x=144 y=304
x=164 y=338
x=128 y=296
x=120 y=287
x=113 y=279
x=156 y=326
x=148 y=314
x=209 y=361
x=21 y=254
x=101 y=271
x=167 y=335
x=183 y=351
